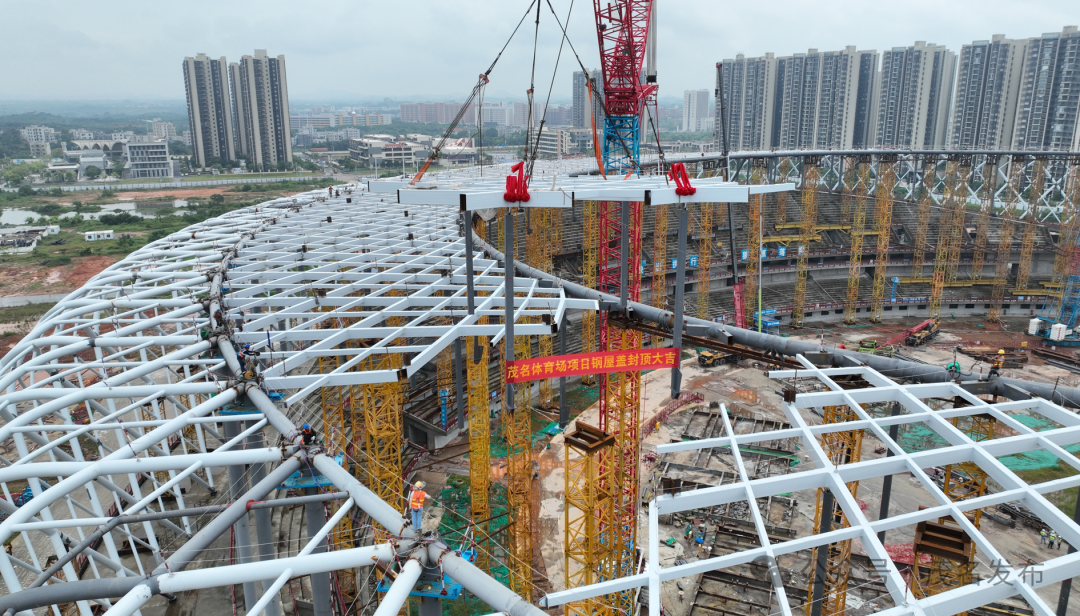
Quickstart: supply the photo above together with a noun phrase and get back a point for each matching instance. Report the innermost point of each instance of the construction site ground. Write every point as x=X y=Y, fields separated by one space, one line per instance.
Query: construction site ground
x=754 y=402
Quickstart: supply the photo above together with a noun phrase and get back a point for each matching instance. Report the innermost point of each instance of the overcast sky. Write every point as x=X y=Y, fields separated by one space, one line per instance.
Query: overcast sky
x=347 y=50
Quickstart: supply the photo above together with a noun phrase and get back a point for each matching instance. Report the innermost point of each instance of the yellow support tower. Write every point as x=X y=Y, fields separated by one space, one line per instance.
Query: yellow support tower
x=883 y=197
x=922 y=225
x=544 y=235
x=960 y=196
x=963 y=481
x=982 y=226
x=384 y=432
x=518 y=430
x=658 y=292
x=844 y=447
x=806 y=233
x=1005 y=237
x=782 y=171
x=590 y=247
x=479 y=442
x=858 y=225
x=1070 y=231
x=704 y=260
x=753 y=244
x=845 y=184
x=950 y=224
x=588 y=515
x=1031 y=224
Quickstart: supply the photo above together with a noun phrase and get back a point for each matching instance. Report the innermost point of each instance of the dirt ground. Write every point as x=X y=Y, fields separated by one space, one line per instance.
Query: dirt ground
x=29 y=279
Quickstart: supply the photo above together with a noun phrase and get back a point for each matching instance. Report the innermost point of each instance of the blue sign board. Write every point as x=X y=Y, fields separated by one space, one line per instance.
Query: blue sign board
x=759 y=313
x=692 y=260
x=745 y=255
x=764 y=252
x=783 y=251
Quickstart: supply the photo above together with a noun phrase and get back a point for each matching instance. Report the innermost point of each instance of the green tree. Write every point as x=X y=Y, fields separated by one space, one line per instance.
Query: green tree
x=92 y=172
x=118 y=169
x=26 y=190
x=217 y=199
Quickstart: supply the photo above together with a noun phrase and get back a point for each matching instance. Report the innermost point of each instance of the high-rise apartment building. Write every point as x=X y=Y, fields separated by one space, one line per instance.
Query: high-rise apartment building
x=1047 y=108
x=209 y=114
x=261 y=108
x=695 y=108
x=748 y=86
x=583 y=113
x=915 y=95
x=987 y=90
x=816 y=100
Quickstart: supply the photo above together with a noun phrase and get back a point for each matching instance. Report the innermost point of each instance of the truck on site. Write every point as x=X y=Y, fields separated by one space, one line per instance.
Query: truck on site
x=714 y=358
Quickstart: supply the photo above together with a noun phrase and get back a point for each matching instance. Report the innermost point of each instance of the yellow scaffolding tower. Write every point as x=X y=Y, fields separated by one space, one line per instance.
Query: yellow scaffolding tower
x=883 y=209
x=479 y=441
x=589 y=510
x=922 y=224
x=858 y=224
x=782 y=171
x=753 y=241
x=960 y=196
x=951 y=224
x=846 y=181
x=843 y=447
x=544 y=235
x=658 y=291
x=982 y=226
x=517 y=427
x=963 y=481
x=704 y=260
x=1031 y=223
x=1005 y=237
x=806 y=233
x=590 y=248
x=1070 y=231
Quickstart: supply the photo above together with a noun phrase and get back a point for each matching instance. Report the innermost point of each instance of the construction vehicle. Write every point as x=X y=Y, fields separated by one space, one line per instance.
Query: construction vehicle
x=874 y=347
x=713 y=358
x=924 y=335
x=915 y=336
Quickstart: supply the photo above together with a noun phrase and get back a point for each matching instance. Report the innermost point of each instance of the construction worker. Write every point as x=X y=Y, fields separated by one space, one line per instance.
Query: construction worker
x=1042 y=537
x=308 y=433
x=416 y=504
x=999 y=361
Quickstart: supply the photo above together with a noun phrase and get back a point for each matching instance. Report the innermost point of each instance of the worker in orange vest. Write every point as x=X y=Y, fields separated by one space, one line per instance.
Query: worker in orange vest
x=416 y=504
x=999 y=361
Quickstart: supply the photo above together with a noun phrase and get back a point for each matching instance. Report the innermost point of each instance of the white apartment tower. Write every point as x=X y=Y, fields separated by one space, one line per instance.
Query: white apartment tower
x=261 y=108
x=987 y=90
x=816 y=100
x=582 y=111
x=695 y=109
x=749 y=88
x=1047 y=113
x=915 y=94
x=208 y=109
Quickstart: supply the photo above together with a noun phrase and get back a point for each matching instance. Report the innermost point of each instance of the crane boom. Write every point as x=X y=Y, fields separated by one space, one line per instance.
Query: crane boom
x=622 y=29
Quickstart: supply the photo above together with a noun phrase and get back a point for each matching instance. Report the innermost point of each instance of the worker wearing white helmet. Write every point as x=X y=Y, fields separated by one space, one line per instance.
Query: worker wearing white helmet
x=416 y=504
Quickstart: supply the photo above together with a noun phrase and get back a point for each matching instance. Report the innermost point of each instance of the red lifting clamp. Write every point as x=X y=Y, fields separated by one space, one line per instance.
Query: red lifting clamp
x=517 y=187
x=682 y=181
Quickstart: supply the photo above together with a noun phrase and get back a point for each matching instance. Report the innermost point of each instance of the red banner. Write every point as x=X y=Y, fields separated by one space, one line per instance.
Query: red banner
x=589 y=363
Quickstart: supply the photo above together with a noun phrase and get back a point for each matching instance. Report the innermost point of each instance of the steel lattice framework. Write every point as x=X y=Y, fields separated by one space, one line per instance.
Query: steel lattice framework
x=826 y=472
x=169 y=365
x=858 y=234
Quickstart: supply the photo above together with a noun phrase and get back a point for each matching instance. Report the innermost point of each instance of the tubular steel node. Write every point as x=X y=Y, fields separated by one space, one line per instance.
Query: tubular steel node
x=965 y=445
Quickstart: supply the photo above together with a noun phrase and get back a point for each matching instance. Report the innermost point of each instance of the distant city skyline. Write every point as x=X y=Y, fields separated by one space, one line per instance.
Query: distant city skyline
x=692 y=36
